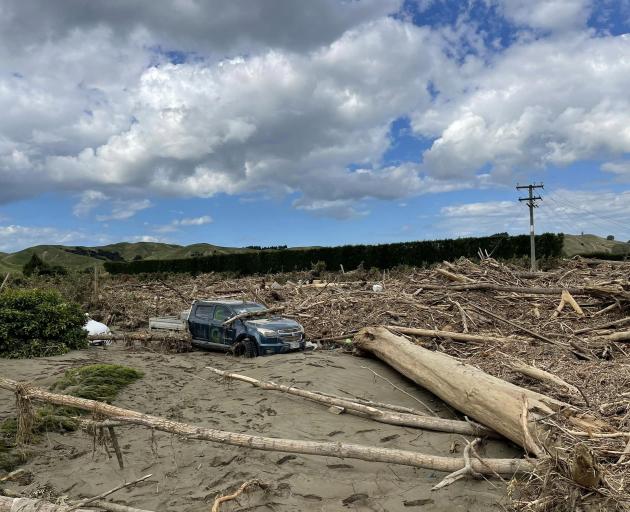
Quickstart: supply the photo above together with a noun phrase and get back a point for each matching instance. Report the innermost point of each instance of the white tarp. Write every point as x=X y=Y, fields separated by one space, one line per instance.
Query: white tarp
x=93 y=327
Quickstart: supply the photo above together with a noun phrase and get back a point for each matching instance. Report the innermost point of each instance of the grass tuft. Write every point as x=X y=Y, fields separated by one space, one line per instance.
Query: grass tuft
x=100 y=382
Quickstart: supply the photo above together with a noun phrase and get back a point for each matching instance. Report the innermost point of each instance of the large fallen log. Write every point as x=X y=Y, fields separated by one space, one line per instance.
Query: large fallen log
x=141 y=336
x=326 y=449
x=457 y=336
x=34 y=505
x=390 y=417
x=491 y=401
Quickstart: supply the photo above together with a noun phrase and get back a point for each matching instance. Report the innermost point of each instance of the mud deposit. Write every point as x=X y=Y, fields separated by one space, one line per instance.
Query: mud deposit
x=189 y=474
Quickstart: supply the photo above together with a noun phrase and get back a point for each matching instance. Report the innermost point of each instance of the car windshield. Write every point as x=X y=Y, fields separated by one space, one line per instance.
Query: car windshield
x=247 y=308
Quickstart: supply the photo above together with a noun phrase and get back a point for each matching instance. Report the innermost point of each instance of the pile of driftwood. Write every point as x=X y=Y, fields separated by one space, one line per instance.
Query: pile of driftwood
x=539 y=358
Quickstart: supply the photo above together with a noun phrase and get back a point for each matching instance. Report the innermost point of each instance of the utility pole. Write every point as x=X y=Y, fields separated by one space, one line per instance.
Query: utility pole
x=531 y=202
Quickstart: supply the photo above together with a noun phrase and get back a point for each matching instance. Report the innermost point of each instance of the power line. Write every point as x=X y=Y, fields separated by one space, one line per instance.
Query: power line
x=605 y=224
x=590 y=212
x=531 y=203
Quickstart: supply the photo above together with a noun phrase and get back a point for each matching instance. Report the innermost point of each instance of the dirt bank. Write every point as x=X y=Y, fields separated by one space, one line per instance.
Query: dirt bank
x=187 y=475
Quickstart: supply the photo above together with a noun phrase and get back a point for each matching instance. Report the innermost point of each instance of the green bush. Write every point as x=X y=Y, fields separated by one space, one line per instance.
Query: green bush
x=37 y=266
x=39 y=323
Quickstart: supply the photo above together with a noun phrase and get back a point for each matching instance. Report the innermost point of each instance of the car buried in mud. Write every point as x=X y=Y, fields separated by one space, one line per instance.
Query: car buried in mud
x=246 y=328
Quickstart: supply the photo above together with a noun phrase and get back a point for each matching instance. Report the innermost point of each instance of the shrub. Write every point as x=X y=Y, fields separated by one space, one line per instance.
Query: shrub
x=39 y=323
x=38 y=266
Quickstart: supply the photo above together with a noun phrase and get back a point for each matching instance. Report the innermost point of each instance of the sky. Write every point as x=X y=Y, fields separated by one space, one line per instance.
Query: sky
x=310 y=122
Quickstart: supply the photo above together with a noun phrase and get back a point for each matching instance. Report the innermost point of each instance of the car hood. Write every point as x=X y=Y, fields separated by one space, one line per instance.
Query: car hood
x=274 y=323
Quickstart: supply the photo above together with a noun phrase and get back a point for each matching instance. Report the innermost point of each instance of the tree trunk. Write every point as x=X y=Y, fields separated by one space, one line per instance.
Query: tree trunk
x=457 y=336
x=32 y=505
x=392 y=418
x=488 y=400
x=326 y=449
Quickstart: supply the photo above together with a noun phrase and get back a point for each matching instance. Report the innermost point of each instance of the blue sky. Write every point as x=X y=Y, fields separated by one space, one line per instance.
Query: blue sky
x=319 y=123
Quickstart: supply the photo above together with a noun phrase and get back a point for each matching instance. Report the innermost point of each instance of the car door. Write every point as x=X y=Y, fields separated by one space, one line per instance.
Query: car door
x=199 y=322
x=218 y=332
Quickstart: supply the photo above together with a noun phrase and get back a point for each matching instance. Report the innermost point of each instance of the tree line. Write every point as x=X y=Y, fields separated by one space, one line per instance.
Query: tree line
x=381 y=256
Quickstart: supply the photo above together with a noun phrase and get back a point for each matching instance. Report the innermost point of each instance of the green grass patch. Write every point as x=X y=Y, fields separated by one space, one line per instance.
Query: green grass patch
x=100 y=382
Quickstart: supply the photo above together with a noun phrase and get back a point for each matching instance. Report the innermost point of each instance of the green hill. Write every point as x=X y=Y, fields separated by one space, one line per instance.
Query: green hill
x=593 y=244
x=79 y=257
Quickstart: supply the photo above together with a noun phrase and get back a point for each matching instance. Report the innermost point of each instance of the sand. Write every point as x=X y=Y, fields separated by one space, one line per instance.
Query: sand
x=189 y=474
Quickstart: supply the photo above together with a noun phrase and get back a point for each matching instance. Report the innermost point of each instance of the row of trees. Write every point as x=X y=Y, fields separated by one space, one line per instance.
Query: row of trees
x=350 y=256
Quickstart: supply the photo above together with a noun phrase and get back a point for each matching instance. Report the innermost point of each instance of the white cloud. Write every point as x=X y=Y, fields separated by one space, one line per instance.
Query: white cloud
x=276 y=105
x=176 y=224
x=196 y=221
x=568 y=211
x=621 y=169
x=15 y=237
x=89 y=200
x=547 y=14
x=125 y=209
x=148 y=238
x=543 y=103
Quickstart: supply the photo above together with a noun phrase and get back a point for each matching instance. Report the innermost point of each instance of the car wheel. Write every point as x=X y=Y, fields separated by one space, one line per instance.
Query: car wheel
x=246 y=348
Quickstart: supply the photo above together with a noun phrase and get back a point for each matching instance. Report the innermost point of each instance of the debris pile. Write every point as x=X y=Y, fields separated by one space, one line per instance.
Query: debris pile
x=561 y=333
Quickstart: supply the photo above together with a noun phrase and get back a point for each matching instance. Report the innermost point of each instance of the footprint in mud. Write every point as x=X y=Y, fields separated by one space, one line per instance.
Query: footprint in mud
x=310 y=497
x=219 y=462
x=284 y=459
x=354 y=498
x=339 y=466
x=418 y=503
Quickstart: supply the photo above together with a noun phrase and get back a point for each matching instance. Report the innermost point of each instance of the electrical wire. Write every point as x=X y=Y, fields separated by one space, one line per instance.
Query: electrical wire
x=590 y=212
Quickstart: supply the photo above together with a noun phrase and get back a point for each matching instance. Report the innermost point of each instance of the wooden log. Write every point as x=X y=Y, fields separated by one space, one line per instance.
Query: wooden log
x=253 y=314
x=560 y=307
x=616 y=336
x=487 y=399
x=568 y=298
x=548 y=378
x=515 y=325
x=141 y=336
x=614 y=323
x=457 y=336
x=325 y=449
x=453 y=277
x=8 y=504
x=586 y=290
x=390 y=417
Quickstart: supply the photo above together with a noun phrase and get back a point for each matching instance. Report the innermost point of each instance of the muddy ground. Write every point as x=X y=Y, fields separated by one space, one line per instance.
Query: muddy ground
x=189 y=474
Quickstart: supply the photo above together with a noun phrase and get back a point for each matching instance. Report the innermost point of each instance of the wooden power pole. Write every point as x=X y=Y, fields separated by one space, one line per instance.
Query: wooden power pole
x=531 y=203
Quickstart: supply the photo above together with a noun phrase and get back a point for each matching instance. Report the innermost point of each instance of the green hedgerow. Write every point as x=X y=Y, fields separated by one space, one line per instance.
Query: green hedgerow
x=39 y=323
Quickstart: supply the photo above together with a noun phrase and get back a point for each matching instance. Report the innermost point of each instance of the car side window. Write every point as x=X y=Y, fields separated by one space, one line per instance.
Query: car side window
x=203 y=312
x=221 y=314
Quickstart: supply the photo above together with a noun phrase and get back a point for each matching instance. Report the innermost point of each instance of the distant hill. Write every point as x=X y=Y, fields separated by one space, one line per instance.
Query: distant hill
x=80 y=257
x=593 y=244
